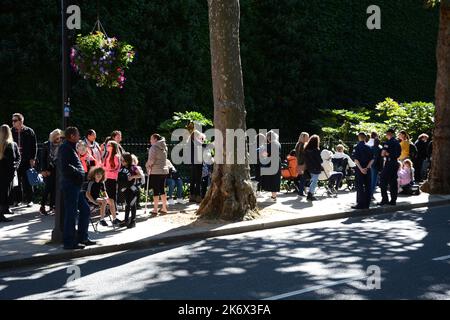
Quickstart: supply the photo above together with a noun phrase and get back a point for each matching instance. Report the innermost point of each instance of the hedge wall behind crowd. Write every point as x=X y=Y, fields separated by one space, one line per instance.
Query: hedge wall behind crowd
x=297 y=56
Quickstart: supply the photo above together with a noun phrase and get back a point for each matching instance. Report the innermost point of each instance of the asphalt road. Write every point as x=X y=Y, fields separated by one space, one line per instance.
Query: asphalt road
x=405 y=255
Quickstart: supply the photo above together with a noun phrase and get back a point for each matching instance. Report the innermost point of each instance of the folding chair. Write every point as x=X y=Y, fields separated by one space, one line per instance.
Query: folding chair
x=325 y=183
x=94 y=216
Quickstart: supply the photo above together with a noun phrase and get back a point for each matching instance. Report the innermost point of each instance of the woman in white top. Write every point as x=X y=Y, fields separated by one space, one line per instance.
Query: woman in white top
x=334 y=178
x=339 y=154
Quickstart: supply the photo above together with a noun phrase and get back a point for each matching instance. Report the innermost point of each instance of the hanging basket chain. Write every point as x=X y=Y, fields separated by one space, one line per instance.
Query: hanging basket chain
x=98 y=25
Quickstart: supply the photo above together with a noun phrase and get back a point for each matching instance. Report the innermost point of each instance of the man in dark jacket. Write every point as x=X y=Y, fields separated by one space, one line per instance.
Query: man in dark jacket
x=71 y=180
x=388 y=176
x=26 y=141
x=363 y=157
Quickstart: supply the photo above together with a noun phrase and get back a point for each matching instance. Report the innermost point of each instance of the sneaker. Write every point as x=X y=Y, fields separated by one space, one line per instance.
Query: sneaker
x=311 y=197
x=117 y=222
x=103 y=223
x=171 y=202
x=88 y=242
x=132 y=224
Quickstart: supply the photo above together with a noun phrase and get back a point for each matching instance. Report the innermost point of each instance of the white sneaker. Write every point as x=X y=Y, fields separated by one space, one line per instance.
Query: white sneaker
x=181 y=201
x=171 y=202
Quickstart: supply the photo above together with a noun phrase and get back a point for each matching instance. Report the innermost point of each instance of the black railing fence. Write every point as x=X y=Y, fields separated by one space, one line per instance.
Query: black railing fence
x=139 y=147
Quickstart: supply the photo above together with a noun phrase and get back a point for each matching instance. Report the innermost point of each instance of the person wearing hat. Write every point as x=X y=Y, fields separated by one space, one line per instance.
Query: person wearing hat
x=388 y=176
x=363 y=157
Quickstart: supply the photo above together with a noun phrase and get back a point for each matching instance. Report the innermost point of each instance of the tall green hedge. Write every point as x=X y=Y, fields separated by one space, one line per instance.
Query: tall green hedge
x=298 y=56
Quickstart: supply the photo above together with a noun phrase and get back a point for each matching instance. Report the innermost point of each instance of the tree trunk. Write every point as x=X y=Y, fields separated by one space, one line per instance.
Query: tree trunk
x=440 y=175
x=230 y=196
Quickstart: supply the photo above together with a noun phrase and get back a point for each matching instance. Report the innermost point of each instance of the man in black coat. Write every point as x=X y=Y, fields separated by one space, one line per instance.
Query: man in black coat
x=388 y=176
x=27 y=143
x=363 y=157
x=71 y=179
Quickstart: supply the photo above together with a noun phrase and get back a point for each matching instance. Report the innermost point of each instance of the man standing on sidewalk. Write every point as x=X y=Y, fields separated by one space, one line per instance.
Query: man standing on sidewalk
x=27 y=143
x=363 y=157
x=388 y=176
x=71 y=179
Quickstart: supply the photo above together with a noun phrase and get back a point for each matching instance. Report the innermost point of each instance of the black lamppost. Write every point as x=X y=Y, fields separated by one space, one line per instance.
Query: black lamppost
x=57 y=233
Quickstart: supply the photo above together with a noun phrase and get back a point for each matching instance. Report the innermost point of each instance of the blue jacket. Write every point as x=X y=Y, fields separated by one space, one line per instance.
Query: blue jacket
x=69 y=165
x=392 y=146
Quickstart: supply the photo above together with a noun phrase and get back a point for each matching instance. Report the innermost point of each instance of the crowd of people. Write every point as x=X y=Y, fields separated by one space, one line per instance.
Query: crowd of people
x=396 y=165
x=93 y=174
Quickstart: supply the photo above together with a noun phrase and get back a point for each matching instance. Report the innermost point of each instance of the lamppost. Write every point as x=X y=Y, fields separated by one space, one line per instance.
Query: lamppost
x=57 y=233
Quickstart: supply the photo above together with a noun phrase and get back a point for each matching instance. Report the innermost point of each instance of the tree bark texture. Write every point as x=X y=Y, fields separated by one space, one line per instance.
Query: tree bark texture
x=440 y=173
x=230 y=196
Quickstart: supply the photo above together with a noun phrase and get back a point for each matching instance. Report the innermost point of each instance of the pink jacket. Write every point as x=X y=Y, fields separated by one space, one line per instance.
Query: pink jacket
x=112 y=173
x=404 y=176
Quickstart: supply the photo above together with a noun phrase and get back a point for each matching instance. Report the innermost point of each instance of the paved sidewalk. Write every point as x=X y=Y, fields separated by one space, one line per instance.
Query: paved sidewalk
x=25 y=241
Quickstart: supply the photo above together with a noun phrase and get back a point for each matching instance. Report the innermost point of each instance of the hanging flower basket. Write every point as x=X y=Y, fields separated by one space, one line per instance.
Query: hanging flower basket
x=101 y=59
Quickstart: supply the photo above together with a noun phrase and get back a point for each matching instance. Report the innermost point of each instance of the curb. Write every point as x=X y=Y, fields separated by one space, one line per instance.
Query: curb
x=198 y=235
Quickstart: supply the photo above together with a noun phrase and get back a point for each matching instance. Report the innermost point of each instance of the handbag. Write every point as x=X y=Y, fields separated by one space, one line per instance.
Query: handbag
x=34 y=178
x=15 y=180
x=301 y=169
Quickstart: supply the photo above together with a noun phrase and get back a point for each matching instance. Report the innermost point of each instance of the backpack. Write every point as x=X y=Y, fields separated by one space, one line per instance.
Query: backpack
x=412 y=151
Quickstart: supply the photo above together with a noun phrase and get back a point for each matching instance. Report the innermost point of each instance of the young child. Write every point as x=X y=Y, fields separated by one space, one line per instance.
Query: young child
x=111 y=164
x=139 y=168
x=140 y=183
x=96 y=193
x=129 y=179
x=405 y=174
x=174 y=180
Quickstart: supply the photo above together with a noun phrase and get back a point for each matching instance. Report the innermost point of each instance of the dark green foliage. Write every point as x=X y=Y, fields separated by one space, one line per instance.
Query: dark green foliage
x=298 y=57
x=341 y=124
x=183 y=119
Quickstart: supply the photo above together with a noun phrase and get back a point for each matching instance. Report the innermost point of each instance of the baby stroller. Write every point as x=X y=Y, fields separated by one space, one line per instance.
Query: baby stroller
x=289 y=173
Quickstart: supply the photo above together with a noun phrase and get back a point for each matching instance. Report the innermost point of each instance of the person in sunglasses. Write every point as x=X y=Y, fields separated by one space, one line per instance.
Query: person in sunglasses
x=48 y=161
x=27 y=143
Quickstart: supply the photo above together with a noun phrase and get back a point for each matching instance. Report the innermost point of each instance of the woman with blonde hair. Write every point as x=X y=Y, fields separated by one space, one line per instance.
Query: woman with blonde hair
x=9 y=163
x=48 y=168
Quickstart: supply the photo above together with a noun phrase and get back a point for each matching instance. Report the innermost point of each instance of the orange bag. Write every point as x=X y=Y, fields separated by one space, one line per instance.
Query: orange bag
x=291 y=171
